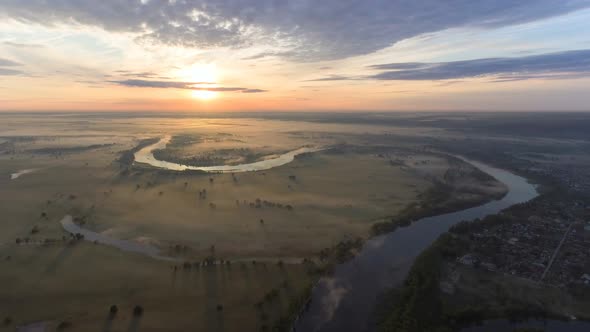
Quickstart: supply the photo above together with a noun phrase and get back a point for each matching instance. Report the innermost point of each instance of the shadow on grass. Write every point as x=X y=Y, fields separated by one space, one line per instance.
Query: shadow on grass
x=108 y=323
x=59 y=259
x=134 y=324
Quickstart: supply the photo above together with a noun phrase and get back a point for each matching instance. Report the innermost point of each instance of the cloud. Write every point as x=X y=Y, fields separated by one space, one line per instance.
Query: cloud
x=561 y=64
x=401 y=65
x=333 y=78
x=181 y=85
x=155 y=84
x=304 y=30
x=8 y=63
x=9 y=71
x=23 y=45
x=261 y=55
x=145 y=74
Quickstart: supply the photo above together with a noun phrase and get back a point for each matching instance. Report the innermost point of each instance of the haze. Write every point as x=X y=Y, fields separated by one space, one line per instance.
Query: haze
x=295 y=165
x=331 y=55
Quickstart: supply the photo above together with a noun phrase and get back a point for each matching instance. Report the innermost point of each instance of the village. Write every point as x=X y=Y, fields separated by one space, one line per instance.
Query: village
x=546 y=240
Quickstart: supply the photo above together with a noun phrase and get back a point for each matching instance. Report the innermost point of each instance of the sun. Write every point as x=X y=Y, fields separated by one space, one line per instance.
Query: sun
x=204 y=94
x=204 y=76
x=201 y=73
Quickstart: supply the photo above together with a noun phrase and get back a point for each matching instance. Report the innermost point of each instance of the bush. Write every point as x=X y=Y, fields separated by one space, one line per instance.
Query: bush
x=113 y=310
x=138 y=311
x=64 y=325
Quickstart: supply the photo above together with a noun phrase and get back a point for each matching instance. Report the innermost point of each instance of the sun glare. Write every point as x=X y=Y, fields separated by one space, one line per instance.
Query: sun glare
x=202 y=73
x=204 y=76
x=204 y=94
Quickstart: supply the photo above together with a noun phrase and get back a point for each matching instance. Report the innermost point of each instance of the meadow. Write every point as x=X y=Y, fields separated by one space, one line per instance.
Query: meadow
x=264 y=230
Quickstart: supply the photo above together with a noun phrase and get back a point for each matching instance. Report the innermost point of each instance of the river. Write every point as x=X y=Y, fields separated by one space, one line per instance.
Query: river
x=20 y=173
x=146 y=156
x=345 y=300
x=68 y=224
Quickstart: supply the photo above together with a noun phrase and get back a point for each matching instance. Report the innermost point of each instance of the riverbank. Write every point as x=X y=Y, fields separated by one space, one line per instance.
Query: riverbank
x=385 y=261
x=445 y=197
x=465 y=279
x=146 y=156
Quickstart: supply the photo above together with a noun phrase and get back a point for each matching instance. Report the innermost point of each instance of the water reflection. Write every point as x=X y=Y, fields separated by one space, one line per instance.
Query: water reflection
x=141 y=248
x=385 y=261
x=20 y=173
x=146 y=156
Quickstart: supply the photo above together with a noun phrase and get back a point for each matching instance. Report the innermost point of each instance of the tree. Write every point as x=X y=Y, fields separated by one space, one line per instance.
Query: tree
x=63 y=325
x=138 y=311
x=113 y=310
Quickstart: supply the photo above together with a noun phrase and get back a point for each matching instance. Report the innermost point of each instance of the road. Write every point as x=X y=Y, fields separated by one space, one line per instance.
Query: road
x=556 y=251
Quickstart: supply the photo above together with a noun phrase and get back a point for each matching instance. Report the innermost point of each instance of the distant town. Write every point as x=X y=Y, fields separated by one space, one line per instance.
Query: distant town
x=552 y=245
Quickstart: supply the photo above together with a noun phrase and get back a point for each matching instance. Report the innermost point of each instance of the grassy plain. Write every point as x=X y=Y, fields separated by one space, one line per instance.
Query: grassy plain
x=335 y=195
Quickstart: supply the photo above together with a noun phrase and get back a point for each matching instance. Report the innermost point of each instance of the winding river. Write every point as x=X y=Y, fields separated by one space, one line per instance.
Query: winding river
x=68 y=224
x=345 y=300
x=20 y=173
x=146 y=156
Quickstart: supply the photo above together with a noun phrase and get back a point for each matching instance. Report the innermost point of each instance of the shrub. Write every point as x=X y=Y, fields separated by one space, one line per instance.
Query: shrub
x=113 y=310
x=138 y=311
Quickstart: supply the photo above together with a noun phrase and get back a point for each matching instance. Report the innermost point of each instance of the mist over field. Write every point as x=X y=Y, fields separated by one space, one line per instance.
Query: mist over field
x=315 y=166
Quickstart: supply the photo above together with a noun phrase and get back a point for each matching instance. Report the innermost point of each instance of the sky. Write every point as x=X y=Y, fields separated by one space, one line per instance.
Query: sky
x=294 y=55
